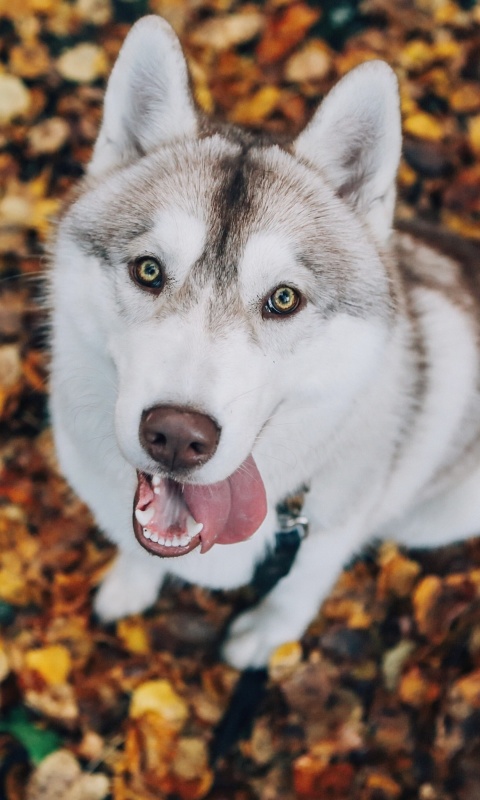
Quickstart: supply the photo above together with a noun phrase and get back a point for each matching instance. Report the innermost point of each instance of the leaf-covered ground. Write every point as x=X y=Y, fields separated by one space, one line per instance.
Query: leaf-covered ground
x=381 y=699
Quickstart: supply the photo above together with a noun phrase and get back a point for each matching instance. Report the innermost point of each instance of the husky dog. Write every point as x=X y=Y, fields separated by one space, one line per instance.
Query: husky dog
x=234 y=318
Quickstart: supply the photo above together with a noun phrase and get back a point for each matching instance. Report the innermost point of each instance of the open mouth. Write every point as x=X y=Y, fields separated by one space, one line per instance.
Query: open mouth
x=172 y=518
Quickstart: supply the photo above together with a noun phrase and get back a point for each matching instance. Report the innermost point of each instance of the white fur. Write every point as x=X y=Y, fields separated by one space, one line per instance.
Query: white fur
x=318 y=398
x=147 y=100
x=360 y=114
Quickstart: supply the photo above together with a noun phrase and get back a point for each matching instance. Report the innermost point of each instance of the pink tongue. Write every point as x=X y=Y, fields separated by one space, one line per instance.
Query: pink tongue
x=231 y=510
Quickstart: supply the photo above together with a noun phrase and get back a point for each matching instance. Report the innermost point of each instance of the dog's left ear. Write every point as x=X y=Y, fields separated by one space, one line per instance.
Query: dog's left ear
x=355 y=140
x=148 y=100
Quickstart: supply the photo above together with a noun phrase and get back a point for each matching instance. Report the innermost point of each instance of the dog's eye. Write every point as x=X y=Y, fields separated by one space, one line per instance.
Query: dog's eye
x=147 y=272
x=284 y=300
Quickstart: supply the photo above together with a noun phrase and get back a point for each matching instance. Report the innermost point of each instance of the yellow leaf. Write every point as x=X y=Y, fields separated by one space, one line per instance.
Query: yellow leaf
x=12 y=585
x=406 y=175
x=159 y=697
x=257 y=108
x=133 y=635
x=42 y=214
x=284 y=659
x=52 y=663
x=474 y=134
x=416 y=55
x=424 y=126
x=461 y=225
x=4 y=663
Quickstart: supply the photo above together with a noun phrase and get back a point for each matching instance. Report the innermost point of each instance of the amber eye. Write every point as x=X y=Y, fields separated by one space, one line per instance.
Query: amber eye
x=148 y=272
x=284 y=300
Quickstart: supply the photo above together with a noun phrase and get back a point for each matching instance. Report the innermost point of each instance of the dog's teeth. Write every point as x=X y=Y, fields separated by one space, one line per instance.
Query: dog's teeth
x=144 y=517
x=147 y=533
x=156 y=480
x=161 y=540
x=156 y=490
x=154 y=537
x=193 y=527
x=184 y=539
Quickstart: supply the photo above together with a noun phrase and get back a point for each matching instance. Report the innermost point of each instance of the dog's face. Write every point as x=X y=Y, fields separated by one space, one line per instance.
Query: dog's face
x=237 y=286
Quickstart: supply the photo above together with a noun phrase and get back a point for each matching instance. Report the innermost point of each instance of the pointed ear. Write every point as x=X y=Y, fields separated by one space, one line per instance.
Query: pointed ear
x=355 y=140
x=148 y=100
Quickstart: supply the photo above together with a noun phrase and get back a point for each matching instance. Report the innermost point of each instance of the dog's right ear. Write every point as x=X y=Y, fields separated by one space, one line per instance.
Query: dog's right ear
x=148 y=100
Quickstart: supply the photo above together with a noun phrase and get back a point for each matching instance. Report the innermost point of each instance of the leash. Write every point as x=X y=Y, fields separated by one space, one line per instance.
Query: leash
x=292 y=529
x=251 y=687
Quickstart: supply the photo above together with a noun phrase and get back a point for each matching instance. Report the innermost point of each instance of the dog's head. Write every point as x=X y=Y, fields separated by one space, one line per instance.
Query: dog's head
x=236 y=285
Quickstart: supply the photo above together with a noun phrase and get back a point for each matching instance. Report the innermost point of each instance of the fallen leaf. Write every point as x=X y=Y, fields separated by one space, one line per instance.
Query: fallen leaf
x=425 y=126
x=14 y=98
x=83 y=63
x=225 y=32
x=313 y=62
x=52 y=663
x=59 y=777
x=284 y=30
x=160 y=698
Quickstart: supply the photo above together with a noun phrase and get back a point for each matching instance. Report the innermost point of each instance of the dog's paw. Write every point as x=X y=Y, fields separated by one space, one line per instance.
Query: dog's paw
x=128 y=588
x=254 y=636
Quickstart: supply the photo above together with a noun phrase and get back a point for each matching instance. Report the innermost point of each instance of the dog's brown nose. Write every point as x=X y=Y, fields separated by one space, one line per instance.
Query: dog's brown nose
x=178 y=438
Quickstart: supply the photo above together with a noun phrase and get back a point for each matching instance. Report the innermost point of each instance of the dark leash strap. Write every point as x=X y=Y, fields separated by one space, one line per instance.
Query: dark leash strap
x=293 y=528
x=250 y=690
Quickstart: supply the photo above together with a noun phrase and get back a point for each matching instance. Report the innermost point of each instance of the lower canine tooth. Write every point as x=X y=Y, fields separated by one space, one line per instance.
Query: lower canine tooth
x=144 y=517
x=147 y=533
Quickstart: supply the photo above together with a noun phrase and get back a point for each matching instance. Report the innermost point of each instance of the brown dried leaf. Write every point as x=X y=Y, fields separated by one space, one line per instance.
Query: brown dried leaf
x=225 y=32
x=59 y=777
x=284 y=31
x=416 y=689
x=397 y=574
x=313 y=779
x=48 y=136
x=312 y=63
x=466 y=98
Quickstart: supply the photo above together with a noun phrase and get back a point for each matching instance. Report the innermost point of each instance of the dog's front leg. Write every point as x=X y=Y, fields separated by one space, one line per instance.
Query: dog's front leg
x=287 y=610
x=131 y=586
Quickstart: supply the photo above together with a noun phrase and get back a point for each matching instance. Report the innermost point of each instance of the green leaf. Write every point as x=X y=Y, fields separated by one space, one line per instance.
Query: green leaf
x=38 y=742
